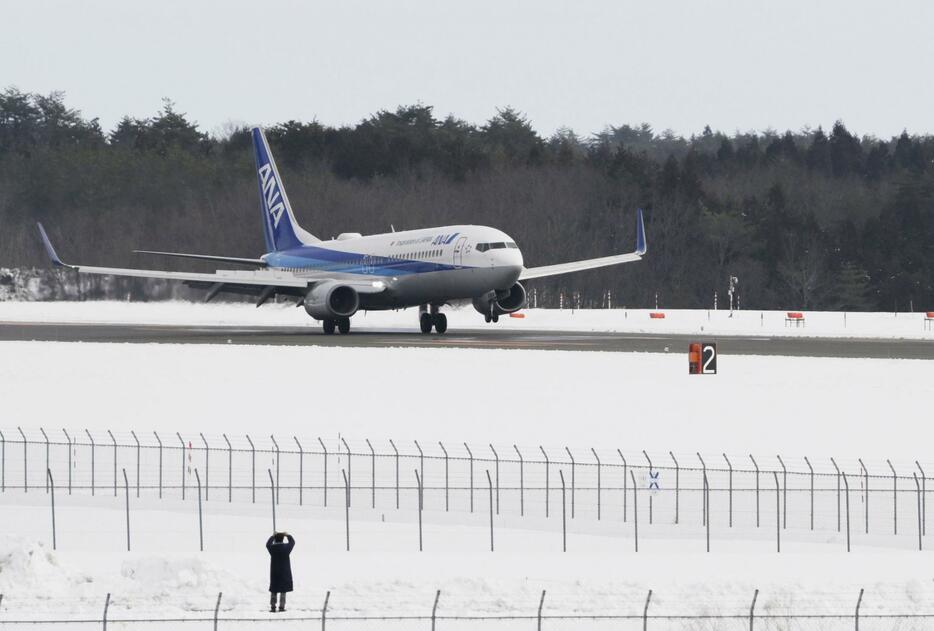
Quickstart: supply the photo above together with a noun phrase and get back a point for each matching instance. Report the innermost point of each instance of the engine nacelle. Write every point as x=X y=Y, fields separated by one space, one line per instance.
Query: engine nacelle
x=331 y=300
x=497 y=303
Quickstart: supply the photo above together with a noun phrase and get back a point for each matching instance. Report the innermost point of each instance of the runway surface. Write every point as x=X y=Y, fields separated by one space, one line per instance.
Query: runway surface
x=479 y=338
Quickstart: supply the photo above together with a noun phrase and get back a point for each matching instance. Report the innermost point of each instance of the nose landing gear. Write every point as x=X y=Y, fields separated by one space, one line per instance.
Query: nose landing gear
x=434 y=319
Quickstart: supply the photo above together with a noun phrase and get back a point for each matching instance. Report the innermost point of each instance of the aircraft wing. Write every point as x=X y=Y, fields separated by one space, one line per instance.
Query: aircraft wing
x=263 y=282
x=605 y=261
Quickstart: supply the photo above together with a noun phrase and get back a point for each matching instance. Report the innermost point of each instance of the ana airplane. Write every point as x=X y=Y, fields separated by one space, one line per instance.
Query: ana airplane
x=334 y=279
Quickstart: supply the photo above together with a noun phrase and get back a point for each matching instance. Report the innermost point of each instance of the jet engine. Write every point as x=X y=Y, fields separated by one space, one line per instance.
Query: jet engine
x=496 y=303
x=331 y=300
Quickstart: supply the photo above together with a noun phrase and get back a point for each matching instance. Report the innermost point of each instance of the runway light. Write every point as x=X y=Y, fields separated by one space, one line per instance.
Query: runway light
x=516 y=315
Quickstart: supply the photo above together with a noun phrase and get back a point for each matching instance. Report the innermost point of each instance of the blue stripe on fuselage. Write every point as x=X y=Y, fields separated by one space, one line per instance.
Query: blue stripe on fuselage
x=327 y=260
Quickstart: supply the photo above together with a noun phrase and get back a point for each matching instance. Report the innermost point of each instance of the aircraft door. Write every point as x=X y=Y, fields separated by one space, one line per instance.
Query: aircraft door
x=459 y=248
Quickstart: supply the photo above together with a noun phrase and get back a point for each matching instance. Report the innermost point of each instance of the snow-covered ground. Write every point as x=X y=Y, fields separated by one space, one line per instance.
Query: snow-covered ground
x=772 y=323
x=849 y=409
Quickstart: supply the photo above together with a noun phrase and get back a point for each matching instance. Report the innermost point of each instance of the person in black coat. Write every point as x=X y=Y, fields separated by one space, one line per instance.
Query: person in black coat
x=280 y=569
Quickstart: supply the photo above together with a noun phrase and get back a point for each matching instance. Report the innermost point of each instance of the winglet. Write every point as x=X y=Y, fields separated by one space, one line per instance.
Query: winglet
x=49 y=250
x=641 y=247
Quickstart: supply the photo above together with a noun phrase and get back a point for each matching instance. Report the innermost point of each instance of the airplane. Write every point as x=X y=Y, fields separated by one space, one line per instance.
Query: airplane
x=333 y=279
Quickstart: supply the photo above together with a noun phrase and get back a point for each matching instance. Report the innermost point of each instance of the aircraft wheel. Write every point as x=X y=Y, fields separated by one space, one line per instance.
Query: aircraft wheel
x=328 y=326
x=496 y=318
x=441 y=323
x=343 y=325
x=425 y=322
x=487 y=318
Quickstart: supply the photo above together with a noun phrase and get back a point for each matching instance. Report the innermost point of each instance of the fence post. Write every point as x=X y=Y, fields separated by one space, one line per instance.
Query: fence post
x=434 y=609
x=651 y=472
x=496 y=463
x=349 y=472
x=847 y=484
x=272 y=499
x=573 y=477
x=324 y=609
x=253 y=469
x=26 y=462
x=397 y=476
x=521 y=482
x=278 y=458
x=541 y=603
x=159 y=441
x=106 y=607
x=784 y=493
x=133 y=433
x=703 y=500
x=346 y=508
x=677 y=486
x=447 y=479
x=757 y=489
x=126 y=489
x=635 y=508
x=894 y=498
x=645 y=612
x=707 y=508
x=324 y=450
x=865 y=493
x=421 y=458
x=418 y=489
x=625 y=482
x=200 y=518
x=93 y=467
x=564 y=514
x=924 y=502
x=730 y=468
x=859 y=601
x=217 y=608
x=229 y=469
x=834 y=463
x=301 y=471
x=470 y=459
x=489 y=482
x=599 y=483
x=778 y=513
x=918 y=488
x=547 y=482
x=45 y=436
x=811 y=469
x=114 y=441
x=373 y=474
x=180 y=440
x=207 y=469
x=51 y=484
x=68 y=440
x=752 y=609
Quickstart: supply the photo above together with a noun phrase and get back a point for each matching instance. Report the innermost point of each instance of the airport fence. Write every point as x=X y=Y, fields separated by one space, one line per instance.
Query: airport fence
x=563 y=486
x=843 y=611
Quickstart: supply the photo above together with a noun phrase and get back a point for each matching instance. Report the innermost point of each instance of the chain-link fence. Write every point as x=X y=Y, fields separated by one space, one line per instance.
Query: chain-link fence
x=716 y=492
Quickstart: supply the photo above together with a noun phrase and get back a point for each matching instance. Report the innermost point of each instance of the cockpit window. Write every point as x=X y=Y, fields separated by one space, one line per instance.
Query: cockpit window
x=497 y=245
x=512 y=245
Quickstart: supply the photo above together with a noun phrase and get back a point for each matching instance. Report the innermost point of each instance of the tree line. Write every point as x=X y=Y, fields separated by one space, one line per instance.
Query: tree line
x=808 y=219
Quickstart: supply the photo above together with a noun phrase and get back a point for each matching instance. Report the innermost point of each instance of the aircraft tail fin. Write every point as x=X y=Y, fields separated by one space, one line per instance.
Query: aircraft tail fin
x=280 y=228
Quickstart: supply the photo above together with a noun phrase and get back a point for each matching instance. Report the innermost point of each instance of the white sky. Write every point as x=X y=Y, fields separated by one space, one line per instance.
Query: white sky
x=736 y=65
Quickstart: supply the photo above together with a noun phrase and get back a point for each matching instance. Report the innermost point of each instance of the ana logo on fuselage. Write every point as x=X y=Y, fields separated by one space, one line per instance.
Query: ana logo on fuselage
x=274 y=204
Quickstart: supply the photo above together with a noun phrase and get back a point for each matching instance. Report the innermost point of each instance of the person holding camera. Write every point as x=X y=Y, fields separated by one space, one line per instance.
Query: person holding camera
x=280 y=546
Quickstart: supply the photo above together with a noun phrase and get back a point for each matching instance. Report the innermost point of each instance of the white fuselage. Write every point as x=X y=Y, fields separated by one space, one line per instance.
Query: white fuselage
x=430 y=265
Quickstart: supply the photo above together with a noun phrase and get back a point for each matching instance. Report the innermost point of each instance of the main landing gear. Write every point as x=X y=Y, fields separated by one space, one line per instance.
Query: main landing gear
x=434 y=319
x=341 y=324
